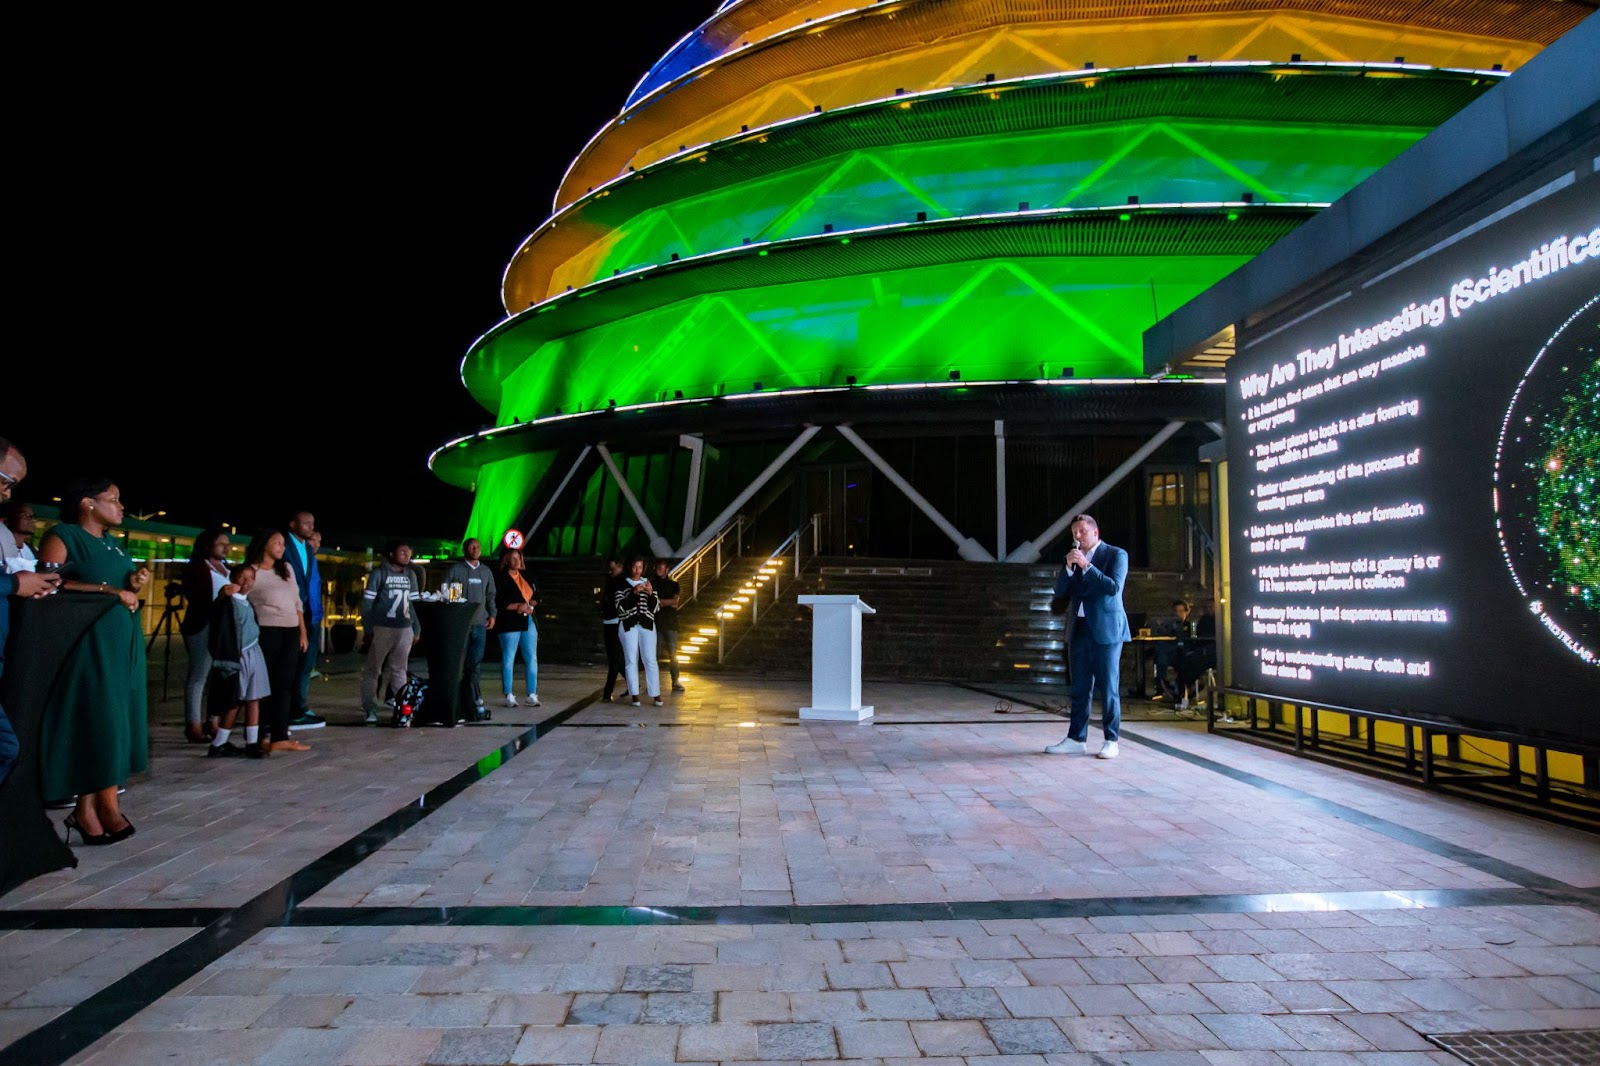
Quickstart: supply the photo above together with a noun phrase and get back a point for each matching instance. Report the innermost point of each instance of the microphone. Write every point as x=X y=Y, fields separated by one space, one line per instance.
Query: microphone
x=1075 y=546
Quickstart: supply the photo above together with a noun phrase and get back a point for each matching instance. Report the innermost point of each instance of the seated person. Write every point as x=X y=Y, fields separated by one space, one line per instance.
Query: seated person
x=1170 y=656
x=1199 y=655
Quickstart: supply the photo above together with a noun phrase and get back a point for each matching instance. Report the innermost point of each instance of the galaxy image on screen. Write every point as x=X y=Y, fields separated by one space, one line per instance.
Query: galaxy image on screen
x=1546 y=482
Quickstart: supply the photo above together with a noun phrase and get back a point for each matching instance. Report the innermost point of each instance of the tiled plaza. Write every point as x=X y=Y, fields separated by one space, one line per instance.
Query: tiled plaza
x=717 y=881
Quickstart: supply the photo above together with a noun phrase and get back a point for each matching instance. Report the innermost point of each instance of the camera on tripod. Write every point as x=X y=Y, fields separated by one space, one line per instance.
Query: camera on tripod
x=164 y=627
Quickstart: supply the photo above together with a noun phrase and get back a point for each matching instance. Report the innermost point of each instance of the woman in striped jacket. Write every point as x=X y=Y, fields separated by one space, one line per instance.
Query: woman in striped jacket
x=636 y=613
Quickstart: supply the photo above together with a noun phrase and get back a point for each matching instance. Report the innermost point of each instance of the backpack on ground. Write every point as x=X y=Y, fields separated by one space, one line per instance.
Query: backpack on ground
x=408 y=701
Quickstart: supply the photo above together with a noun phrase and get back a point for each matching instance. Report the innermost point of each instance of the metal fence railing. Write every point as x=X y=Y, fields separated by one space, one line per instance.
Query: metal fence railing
x=741 y=611
x=707 y=564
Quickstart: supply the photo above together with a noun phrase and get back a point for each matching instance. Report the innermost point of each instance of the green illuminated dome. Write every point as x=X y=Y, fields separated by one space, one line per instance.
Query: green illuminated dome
x=814 y=195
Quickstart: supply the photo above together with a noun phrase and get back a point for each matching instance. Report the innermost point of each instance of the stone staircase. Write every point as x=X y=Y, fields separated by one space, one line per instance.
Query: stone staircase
x=569 y=607
x=701 y=613
x=940 y=619
x=936 y=619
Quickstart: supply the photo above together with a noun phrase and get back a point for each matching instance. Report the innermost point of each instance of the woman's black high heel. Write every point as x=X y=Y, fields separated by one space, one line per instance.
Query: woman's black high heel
x=70 y=823
x=121 y=834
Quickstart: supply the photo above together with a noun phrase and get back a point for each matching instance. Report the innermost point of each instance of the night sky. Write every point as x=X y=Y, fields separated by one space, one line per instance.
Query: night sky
x=274 y=244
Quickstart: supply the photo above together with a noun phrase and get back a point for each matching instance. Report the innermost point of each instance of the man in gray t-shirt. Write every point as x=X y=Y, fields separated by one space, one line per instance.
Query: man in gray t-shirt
x=477 y=585
x=387 y=623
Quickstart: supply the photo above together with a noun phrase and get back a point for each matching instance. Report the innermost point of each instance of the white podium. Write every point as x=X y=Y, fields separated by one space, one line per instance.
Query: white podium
x=836 y=658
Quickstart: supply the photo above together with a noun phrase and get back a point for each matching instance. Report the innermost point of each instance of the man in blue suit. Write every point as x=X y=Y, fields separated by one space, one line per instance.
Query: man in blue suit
x=1090 y=585
x=301 y=555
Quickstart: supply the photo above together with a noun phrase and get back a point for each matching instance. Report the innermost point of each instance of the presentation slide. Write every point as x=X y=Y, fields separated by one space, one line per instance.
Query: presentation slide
x=1414 y=482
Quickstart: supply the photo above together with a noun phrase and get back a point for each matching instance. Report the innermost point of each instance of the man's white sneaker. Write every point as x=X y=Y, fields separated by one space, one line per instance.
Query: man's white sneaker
x=1067 y=746
x=533 y=699
x=1108 y=750
x=511 y=701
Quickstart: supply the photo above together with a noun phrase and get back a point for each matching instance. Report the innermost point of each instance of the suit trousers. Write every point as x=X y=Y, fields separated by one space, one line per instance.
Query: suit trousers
x=302 y=684
x=1096 y=668
x=9 y=748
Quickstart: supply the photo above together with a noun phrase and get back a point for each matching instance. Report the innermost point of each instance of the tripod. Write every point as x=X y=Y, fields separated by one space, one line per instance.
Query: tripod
x=169 y=614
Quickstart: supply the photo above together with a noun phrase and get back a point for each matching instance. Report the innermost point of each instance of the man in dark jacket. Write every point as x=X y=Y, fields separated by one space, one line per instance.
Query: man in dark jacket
x=671 y=594
x=477 y=588
x=615 y=585
x=1090 y=588
x=301 y=556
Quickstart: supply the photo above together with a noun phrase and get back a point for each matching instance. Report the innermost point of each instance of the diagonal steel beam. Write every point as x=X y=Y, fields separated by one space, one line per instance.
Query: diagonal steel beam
x=658 y=545
x=966 y=547
x=556 y=495
x=750 y=490
x=1029 y=550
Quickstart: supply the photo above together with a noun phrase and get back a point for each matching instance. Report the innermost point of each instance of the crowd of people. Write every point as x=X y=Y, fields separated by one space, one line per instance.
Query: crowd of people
x=638 y=618
x=99 y=716
x=250 y=630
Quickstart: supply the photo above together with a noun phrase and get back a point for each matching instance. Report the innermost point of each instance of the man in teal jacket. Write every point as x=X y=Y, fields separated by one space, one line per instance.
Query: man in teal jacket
x=1090 y=587
x=300 y=552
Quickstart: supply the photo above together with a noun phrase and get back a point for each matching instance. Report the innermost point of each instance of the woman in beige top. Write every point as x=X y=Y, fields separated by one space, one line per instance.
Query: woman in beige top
x=276 y=598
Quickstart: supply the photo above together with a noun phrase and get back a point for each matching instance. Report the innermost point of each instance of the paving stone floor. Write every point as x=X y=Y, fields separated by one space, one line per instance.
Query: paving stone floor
x=716 y=882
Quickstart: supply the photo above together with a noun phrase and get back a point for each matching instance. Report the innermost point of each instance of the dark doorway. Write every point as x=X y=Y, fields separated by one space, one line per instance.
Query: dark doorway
x=842 y=494
x=1168 y=492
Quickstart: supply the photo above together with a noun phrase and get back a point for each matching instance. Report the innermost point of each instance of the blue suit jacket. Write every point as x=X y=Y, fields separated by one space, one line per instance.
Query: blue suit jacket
x=1098 y=588
x=307 y=577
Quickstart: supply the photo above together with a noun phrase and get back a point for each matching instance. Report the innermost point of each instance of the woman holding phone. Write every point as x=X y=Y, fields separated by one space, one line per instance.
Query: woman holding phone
x=99 y=720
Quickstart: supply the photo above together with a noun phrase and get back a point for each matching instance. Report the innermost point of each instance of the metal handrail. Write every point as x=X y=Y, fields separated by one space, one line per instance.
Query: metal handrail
x=713 y=549
x=1210 y=551
x=753 y=590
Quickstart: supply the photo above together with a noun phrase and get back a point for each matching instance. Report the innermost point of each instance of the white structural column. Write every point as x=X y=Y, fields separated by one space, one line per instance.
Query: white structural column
x=691 y=502
x=658 y=545
x=999 y=489
x=692 y=546
x=1028 y=550
x=966 y=547
x=556 y=495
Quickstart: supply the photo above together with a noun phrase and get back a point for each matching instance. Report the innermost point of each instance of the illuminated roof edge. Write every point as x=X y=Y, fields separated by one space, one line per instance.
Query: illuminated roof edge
x=1556 y=87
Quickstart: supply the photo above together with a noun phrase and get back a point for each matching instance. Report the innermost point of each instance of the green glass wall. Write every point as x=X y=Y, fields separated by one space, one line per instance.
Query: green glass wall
x=997 y=319
x=500 y=492
x=1160 y=162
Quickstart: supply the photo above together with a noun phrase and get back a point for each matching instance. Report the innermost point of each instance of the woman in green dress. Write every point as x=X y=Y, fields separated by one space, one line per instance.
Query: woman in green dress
x=96 y=730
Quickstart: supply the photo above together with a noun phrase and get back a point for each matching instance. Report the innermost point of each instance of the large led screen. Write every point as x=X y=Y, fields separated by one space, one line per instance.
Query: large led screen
x=1414 y=479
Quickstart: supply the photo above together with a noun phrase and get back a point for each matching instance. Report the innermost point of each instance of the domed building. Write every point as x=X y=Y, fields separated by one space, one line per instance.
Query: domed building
x=890 y=264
